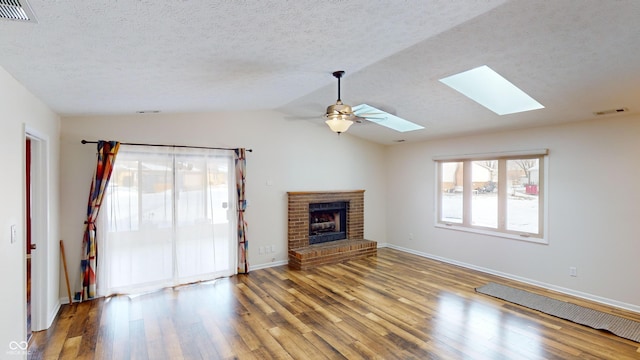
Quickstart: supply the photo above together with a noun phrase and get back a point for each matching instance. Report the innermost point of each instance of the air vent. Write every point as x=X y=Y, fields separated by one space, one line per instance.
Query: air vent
x=611 y=111
x=16 y=10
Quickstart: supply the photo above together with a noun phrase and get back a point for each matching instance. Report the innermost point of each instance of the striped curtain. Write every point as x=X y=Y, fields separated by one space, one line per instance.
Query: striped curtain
x=107 y=151
x=243 y=245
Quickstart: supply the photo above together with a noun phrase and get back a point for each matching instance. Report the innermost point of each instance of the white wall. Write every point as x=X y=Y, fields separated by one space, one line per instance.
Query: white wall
x=593 y=204
x=289 y=155
x=20 y=109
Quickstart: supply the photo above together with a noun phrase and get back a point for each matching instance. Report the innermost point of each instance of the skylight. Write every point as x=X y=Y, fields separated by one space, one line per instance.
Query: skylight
x=489 y=89
x=385 y=119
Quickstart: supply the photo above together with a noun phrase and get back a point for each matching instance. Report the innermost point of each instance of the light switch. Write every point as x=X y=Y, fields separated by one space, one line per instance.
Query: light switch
x=14 y=233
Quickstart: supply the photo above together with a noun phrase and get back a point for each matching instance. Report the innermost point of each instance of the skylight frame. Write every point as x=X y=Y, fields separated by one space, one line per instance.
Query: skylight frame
x=491 y=90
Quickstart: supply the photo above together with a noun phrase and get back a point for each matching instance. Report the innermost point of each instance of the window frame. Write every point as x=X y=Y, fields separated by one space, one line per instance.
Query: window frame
x=501 y=230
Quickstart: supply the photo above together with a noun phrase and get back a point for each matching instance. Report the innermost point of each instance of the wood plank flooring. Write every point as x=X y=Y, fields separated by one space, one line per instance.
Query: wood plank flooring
x=393 y=306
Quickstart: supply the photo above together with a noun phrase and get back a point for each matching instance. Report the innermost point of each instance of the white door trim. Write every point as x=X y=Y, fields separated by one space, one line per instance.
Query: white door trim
x=40 y=232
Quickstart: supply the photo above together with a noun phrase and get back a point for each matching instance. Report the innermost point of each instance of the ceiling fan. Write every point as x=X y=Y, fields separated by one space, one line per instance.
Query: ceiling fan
x=341 y=116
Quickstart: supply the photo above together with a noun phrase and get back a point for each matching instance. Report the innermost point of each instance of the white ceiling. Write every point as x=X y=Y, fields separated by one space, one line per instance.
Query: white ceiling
x=118 y=57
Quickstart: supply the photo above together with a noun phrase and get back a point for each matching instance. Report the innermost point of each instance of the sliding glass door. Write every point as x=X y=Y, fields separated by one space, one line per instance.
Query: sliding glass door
x=169 y=219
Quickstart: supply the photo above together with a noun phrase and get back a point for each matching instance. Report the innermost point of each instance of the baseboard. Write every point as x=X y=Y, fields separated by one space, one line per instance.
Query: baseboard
x=268 y=265
x=583 y=295
x=63 y=301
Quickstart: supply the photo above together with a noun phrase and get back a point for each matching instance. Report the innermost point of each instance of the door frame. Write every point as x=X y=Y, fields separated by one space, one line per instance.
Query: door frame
x=39 y=227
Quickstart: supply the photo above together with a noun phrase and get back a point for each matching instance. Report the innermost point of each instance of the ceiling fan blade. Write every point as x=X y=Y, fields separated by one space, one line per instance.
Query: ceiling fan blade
x=364 y=121
x=363 y=109
x=375 y=120
x=374 y=117
x=384 y=108
x=302 y=118
x=346 y=113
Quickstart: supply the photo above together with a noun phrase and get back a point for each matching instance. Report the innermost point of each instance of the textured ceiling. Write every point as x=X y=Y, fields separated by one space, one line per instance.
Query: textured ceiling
x=119 y=57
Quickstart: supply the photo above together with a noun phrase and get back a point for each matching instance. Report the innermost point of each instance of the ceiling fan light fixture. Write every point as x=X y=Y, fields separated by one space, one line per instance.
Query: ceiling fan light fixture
x=338 y=123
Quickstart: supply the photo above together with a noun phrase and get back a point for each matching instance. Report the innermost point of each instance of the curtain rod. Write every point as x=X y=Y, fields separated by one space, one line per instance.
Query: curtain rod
x=176 y=146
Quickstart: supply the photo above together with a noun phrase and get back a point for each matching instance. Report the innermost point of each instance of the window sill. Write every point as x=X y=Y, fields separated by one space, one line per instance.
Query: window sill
x=492 y=233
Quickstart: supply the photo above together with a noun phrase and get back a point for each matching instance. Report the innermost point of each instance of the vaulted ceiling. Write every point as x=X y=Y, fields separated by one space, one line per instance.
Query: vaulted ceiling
x=576 y=57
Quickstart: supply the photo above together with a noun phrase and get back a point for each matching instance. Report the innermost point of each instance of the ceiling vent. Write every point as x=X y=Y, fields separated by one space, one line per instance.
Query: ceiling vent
x=611 y=111
x=16 y=10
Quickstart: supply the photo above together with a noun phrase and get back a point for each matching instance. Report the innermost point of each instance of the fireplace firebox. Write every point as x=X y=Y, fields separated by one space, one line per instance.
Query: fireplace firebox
x=327 y=222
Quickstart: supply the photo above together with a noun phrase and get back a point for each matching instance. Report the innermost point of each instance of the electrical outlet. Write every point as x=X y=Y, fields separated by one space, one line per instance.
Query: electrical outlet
x=273 y=248
x=261 y=250
x=410 y=236
x=573 y=271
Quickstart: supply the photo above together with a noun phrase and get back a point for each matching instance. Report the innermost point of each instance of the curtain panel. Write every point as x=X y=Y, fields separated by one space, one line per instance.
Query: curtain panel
x=168 y=218
x=106 y=156
x=243 y=245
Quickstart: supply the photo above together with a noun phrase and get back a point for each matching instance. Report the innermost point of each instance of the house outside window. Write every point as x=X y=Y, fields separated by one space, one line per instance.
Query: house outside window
x=498 y=194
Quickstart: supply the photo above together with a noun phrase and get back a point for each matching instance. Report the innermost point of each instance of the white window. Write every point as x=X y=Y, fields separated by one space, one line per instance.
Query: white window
x=501 y=194
x=168 y=218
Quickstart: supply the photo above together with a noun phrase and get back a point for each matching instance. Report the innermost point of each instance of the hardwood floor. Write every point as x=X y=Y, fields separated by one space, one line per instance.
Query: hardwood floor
x=393 y=306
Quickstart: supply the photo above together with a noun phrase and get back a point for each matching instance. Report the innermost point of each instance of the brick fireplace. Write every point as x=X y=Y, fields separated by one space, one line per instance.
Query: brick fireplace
x=302 y=254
